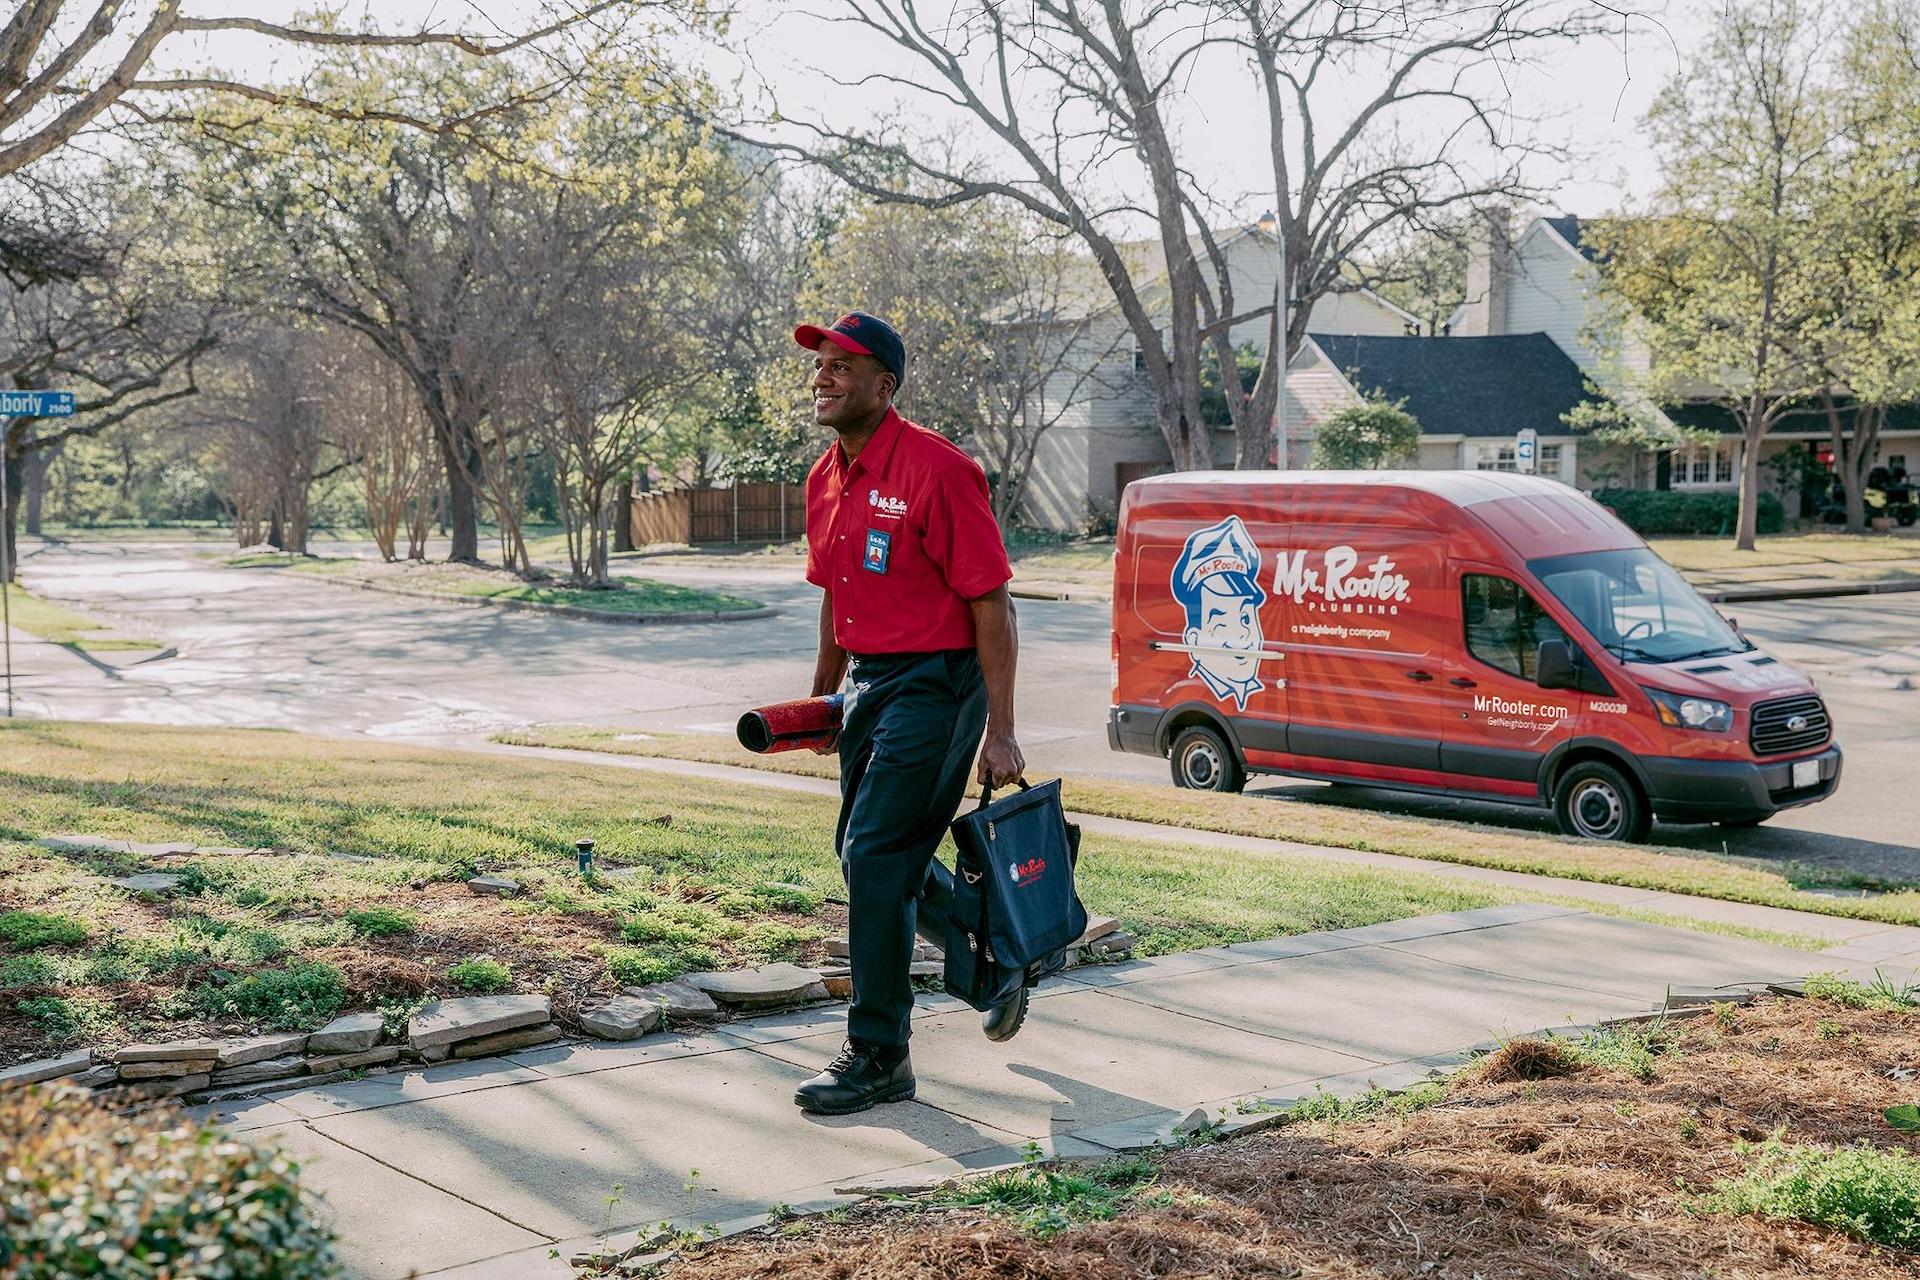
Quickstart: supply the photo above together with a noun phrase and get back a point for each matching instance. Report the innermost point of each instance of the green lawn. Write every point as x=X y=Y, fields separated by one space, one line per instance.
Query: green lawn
x=1637 y=866
x=63 y=626
x=1807 y=554
x=713 y=876
x=632 y=596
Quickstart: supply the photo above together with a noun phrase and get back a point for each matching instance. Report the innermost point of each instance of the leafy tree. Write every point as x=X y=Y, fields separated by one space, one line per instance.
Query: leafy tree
x=1379 y=433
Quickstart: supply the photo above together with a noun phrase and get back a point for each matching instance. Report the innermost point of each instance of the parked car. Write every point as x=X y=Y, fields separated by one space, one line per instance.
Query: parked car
x=1476 y=634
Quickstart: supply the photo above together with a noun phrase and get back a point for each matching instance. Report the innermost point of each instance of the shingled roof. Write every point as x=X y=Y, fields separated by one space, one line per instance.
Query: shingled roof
x=1486 y=387
x=1568 y=228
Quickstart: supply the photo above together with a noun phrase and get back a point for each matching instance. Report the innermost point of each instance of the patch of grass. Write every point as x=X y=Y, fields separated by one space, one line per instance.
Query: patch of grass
x=1331 y=1109
x=1871 y=1193
x=644 y=966
x=1881 y=993
x=680 y=924
x=771 y=940
x=1633 y=1050
x=69 y=1019
x=31 y=930
x=64 y=626
x=1045 y=1201
x=303 y=994
x=382 y=922
x=1634 y=866
x=1800 y=551
x=626 y=595
x=481 y=975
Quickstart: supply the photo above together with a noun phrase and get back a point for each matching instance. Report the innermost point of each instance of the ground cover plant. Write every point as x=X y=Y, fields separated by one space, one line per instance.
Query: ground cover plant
x=627 y=595
x=1471 y=844
x=1748 y=1142
x=361 y=902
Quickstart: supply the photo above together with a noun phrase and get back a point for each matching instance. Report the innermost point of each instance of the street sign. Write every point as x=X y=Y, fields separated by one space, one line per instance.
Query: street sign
x=1526 y=449
x=36 y=404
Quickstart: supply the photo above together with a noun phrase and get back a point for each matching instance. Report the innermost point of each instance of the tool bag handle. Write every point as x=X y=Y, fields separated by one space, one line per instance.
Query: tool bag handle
x=986 y=790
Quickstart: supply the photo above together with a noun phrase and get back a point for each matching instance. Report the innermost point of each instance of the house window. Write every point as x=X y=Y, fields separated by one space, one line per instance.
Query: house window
x=1703 y=467
x=1495 y=457
x=1549 y=460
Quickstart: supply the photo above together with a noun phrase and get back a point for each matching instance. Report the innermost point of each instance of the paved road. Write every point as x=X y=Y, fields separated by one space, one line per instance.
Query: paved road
x=261 y=648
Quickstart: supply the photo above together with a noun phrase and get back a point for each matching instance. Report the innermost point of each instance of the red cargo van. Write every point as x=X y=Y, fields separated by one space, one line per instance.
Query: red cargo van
x=1469 y=633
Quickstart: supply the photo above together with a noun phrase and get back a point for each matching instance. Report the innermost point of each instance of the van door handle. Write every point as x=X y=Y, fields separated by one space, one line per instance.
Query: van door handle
x=1422 y=676
x=1461 y=682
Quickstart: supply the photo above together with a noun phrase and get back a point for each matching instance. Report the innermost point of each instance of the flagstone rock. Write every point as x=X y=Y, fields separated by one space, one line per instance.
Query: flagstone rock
x=159 y=849
x=497 y=886
x=621 y=1018
x=839 y=948
x=927 y=969
x=164 y=1070
x=76 y=842
x=258 y=1069
x=1097 y=927
x=95 y=1078
x=170 y=1051
x=349 y=1033
x=507 y=1041
x=151 y=1090
x=149 y=882
x=1115 y=944
x=770 y=984
x=470 y=1017
x=353 y=1061
x=681 y=1001
x=839 y=986
x=42 y=1069
x=239 y=1052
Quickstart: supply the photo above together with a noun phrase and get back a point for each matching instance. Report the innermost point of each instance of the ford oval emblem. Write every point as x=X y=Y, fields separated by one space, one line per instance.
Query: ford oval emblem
x=1797 y=724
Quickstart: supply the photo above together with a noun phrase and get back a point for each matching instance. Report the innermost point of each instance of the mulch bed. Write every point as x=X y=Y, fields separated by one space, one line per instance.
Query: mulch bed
x=1593 y=1174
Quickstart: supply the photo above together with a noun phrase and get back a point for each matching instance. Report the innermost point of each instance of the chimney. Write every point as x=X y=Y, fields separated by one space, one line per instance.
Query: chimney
x=1489 y=273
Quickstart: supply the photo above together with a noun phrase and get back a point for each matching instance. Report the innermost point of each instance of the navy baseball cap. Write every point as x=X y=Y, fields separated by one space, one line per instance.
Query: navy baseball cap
x=862 y=334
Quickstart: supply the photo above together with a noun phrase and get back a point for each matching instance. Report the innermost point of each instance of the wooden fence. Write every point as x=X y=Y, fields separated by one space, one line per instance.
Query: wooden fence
x=740 y=513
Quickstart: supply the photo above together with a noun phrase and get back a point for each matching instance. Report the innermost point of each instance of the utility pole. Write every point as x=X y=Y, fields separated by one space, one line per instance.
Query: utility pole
x=18 y=404
x=1271 y=224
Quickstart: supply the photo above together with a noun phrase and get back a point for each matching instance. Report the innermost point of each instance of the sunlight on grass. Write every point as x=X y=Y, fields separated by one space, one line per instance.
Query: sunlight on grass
x=63 y=626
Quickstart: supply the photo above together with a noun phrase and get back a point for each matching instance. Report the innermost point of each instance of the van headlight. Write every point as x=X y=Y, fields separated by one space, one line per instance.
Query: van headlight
x=1690 y=713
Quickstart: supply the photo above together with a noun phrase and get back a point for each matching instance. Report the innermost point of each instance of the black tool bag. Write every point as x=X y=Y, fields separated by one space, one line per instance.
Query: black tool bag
x=1015 y=911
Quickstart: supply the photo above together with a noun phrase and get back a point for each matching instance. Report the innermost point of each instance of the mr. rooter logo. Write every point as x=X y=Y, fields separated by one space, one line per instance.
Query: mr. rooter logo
x=1334 y=586
x=1025 y=873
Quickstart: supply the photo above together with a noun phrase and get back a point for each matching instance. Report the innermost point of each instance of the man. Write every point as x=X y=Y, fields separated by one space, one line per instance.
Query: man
x=902 y=540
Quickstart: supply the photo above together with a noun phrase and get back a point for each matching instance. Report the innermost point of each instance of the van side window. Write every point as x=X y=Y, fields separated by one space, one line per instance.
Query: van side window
x=1504 y=624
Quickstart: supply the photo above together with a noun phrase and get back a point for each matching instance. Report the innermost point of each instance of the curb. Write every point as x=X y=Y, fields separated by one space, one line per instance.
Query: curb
x=1751 y=595
x=555 y=610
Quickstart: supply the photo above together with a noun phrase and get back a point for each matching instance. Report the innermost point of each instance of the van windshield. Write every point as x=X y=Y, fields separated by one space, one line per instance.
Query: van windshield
x=1634 y=604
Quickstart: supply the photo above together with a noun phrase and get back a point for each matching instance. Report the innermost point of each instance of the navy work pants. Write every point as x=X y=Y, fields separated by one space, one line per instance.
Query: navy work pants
x=912 y=725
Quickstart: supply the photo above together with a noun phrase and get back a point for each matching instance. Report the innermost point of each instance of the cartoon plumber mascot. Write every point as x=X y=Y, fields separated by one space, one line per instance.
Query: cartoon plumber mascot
x=1216 y=580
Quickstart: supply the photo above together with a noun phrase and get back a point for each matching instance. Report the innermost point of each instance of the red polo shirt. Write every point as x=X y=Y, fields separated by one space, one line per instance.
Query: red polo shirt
x=902 y=538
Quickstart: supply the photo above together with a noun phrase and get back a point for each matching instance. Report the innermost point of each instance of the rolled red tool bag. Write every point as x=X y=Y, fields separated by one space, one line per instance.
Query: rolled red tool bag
x=791 y=726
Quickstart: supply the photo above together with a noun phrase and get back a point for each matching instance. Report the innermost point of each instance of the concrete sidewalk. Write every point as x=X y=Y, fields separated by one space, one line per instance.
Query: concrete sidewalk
x=477 y=1170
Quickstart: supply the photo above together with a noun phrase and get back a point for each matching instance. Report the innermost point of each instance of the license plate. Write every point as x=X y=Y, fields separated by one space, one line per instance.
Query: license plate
x=1806 y=773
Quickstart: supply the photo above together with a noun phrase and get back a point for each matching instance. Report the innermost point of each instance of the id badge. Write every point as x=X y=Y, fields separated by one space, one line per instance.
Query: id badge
x=879 y=547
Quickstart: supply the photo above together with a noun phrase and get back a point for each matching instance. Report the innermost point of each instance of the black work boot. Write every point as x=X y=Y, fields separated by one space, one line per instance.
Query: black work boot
x=862 y=1075
x=1002 y=1022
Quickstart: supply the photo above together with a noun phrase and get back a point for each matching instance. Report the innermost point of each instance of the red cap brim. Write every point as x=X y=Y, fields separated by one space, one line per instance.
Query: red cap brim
x=811 y=336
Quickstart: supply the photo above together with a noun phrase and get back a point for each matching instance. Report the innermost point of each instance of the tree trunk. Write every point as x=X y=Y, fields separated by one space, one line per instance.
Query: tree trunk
x=463 y=501
x=1747 y=527
x=34 y=468
x=623 y=514
x=1845 y=451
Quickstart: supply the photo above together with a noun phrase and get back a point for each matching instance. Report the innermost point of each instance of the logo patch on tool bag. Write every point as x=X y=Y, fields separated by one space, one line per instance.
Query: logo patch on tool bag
x=879 y=548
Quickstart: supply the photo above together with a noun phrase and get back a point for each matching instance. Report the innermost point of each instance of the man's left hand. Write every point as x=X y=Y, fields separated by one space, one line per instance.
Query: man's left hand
x=1000 y=759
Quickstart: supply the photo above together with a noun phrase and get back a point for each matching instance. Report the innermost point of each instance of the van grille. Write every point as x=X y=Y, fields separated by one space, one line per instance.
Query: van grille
x=1773 y=732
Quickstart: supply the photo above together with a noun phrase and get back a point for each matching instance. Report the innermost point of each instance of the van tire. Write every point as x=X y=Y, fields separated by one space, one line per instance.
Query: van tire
x=1595 y=801
x=1203 y=760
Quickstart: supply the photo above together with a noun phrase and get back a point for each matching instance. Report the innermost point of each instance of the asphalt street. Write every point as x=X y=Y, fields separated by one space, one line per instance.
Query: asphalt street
x=260 y=648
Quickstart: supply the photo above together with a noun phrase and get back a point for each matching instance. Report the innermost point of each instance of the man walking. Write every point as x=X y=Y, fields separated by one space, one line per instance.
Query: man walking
x=902 y=540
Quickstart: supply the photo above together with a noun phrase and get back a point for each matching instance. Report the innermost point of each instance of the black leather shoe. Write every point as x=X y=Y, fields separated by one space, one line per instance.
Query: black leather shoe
x=1002 y=1022
x=854 y=1081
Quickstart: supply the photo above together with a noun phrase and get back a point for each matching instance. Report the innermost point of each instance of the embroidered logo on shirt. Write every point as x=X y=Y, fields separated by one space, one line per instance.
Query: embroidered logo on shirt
x=879 y=547
x=886 y=506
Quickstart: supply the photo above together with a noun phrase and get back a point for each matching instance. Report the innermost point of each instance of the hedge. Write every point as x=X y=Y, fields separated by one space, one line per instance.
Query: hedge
x=1655 y=511
x=150 y=1196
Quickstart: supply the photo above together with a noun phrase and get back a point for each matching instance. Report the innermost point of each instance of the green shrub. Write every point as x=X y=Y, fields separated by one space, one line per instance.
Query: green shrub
x=31 y=930
x=1881 y=993
x=771 y=940
x=642 y=966
x=30 y=971
x=382 y=922
x=1871 y=1193
x=304 y=994
x=482 y=975
x=87 y=1193
x=1634 y=1050
x=68 y=1019
x=1657 y=511
x=680 y=924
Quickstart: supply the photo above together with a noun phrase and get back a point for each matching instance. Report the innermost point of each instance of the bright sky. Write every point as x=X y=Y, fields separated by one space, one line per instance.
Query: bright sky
x=1592 y=96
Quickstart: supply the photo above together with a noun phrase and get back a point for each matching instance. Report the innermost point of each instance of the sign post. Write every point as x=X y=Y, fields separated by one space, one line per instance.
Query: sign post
x=1526 y=451
x=18 y=404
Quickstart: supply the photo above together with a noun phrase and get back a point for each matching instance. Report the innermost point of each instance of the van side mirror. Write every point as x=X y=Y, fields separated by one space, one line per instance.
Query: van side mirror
x=1555 y=666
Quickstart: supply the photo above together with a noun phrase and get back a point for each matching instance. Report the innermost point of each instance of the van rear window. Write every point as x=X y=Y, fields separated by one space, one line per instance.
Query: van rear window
x=1505 y=626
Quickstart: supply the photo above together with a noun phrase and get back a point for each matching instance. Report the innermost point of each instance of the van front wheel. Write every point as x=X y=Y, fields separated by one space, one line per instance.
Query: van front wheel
x=1205 y=761
x=1596 y=801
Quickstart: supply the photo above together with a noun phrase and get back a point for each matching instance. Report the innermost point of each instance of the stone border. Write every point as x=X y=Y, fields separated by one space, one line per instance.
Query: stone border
x=534 y=606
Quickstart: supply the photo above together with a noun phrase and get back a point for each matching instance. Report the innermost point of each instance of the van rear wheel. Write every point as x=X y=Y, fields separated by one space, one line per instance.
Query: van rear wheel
x=1203 y=760
x=1596 y=801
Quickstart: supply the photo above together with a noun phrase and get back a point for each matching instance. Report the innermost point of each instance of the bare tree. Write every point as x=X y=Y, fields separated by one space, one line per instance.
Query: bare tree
x=63 y=69
x=378 y=422
x=1370 y=112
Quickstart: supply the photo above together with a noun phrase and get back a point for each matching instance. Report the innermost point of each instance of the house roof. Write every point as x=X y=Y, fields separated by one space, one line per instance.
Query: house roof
x=1487 y=387
x=1567 y=227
